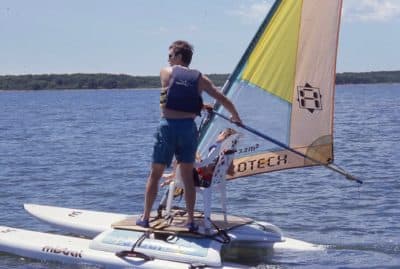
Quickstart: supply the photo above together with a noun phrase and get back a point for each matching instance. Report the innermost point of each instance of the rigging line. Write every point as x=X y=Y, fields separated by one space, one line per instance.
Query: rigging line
x=332 y=167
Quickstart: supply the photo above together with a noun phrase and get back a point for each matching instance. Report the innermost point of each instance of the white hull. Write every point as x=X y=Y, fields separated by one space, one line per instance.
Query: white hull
x=181 y=252
x=91 y=223
x=178 y=252
x=66 y=249
x=82 y=222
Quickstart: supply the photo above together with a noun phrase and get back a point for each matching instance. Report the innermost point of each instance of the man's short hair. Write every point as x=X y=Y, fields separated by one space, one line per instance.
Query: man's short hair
x=183 y=48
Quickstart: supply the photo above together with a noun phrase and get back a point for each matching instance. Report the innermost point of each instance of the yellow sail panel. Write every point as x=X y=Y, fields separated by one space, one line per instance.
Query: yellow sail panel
x=272 y=64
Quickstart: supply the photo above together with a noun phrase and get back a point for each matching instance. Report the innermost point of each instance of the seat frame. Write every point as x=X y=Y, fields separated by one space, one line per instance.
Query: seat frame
x=225 y=152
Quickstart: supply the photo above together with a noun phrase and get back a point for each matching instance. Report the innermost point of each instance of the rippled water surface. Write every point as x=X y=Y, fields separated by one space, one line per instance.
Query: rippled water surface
x=91 y=149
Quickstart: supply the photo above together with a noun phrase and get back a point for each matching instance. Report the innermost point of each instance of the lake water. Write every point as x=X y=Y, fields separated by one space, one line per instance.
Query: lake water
x=91 y=149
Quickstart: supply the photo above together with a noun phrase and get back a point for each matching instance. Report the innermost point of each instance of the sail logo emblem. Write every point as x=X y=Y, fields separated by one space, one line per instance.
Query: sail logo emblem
x=309 y=98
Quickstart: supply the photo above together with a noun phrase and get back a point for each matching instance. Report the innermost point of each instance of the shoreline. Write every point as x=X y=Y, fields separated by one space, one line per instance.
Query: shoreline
x=81 y=81
x=157 y=89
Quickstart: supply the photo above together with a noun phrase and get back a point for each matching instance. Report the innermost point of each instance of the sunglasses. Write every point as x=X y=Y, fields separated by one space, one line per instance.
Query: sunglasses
x=170 y=56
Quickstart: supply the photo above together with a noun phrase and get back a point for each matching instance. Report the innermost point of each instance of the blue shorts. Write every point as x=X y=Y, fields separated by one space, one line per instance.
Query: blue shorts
x=177 y=137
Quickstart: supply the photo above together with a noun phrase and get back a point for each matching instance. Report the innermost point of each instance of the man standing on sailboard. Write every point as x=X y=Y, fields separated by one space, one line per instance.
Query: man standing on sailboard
x=177 y=135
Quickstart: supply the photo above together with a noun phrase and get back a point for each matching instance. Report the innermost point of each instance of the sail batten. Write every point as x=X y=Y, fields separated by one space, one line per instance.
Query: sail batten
x=284 y=86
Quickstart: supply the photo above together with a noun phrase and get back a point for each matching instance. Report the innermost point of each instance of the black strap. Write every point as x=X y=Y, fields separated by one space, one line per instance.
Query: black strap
x=133 y=252
x=224 y=237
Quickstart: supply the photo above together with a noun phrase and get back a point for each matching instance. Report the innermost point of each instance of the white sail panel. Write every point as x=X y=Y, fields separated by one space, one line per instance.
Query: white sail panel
x=313 y=93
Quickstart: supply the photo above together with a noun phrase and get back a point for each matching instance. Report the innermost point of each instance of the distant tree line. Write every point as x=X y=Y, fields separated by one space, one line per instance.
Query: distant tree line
x=86 y=81
x=368 y=77
x=113 y=81
x=77 y=81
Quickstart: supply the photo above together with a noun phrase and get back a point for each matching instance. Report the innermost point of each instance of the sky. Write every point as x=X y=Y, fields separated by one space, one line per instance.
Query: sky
x=132 y=36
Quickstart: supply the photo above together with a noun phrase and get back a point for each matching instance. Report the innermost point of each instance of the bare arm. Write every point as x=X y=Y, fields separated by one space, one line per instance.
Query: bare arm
x=206 y=85
x=165 y=75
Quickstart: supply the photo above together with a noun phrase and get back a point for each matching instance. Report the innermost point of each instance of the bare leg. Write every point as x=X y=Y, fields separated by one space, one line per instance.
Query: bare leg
x=190 y=190
x=152 y=188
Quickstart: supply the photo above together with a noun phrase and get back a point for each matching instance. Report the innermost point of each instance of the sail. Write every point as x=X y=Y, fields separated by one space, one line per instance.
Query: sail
x=284 y=87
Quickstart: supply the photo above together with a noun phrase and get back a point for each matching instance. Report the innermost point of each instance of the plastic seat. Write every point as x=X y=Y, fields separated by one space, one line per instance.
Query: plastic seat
x=225 y=153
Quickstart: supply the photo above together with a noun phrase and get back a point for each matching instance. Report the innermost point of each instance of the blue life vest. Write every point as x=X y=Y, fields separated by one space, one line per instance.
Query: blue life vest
x=183 y=93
